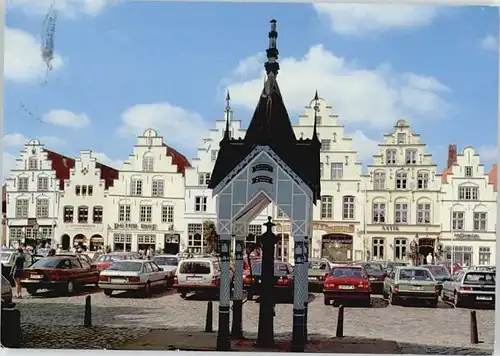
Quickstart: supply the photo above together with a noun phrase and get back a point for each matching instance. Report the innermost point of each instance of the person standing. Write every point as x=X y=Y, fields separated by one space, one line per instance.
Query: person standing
x=18 y=271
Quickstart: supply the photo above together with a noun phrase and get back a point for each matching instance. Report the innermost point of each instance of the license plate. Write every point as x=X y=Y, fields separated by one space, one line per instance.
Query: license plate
x=193 y=278
x=312 y=278
x=36 y=276
x=346 y=287
x=481 y=297
x=117 y=280
x=418 y=288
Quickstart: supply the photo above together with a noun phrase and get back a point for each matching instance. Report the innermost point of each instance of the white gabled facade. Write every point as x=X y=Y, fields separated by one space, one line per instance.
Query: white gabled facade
x=32 y=195
x=469 y=209
x=338 y=218
x=403 y=197
x=83 y=204
x=146 y=204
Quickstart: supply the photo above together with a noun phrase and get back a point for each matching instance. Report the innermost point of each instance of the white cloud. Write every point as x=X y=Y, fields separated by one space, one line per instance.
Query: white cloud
x=106 y=160
x=489 y=43
x=17 y=139
x=66 y=118
x=23 y=60
x=488 y=153
x=359 y=19
x=181 y=128
x=8 y=162
x=68 y=8
x=365 y=146
x=250 y=64
x=377 y=97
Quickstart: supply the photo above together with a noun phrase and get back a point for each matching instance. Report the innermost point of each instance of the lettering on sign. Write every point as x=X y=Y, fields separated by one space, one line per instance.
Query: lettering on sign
x=331 y=228
x=390 y=228
x=262 y=167
x=135 y=226
x=262 y=179
x=463 y=236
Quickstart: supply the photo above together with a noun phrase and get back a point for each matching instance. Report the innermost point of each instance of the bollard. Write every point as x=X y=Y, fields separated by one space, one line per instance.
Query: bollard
x=11 y=328
x=340 y=322
x=209 y=320
x=87 y=319
x=474 y=337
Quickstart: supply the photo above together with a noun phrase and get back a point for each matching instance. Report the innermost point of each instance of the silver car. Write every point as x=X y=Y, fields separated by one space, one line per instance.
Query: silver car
x=468 y=288
x=169 y=264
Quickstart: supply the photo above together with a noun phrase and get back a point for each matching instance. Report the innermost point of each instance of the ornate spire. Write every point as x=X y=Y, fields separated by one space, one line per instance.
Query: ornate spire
x=272 y=66
x=316 y=110
x=227 y=110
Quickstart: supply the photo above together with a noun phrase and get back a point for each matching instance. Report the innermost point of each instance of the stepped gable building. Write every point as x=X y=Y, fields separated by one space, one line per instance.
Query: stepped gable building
x=32 y=195
x=146 y=204
x=83 y=203
x=403 y=198
x=469 y=209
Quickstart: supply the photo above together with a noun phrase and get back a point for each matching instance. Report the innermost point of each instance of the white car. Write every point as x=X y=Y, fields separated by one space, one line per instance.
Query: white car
x=136 y=275
x=169 y=264
x=197 y=275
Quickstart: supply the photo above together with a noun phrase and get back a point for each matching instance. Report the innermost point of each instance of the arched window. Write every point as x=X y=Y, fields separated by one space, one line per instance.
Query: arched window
x=391 y=156
x=411 y=156
x=348 y=207
x=379 y=212
x=97 y=214
x=83 y=214
x=401 y=180
x=68 y=214
x=327 y=207
x=401 y=212
x=423 y=212
x=423 y=180
x=379 y=180
x=147 y=163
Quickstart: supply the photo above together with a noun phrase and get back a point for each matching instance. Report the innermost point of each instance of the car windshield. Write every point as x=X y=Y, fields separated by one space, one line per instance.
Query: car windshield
x=47 y=263
x=126 y=266
x=195 y=268
x=439 y=271
x=111 y=258
x=373 y=267
x=6 y=256
x=347 y=272
x=280 y=269
x=166 y=261
x=317 y=265
x=479 y=278
x=415 y=274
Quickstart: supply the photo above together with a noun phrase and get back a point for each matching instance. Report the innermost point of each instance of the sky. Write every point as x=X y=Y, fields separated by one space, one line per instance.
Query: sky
x=122 y=67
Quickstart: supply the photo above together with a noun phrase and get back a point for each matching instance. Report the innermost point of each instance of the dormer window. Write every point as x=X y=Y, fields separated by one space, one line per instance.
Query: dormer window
x=147 y=164
x=391 y=156
x=411 y=156
x=468 y=193
x=33 y=163
x=468 y=171
x=401 y=138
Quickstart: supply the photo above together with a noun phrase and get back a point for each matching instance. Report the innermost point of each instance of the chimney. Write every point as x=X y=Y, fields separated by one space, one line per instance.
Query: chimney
x=452 y=155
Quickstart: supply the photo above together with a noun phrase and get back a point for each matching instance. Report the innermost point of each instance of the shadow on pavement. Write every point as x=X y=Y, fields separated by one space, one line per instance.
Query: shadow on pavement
x=86 y=290
x=157 y=293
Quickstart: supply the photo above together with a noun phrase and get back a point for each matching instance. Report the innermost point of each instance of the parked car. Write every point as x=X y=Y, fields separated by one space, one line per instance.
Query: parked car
x=77 y=255
x=169 y=264
x=136 y=275
x=8 y=256
x=197 y=275
x=317 y=272
x=376 y=275
x=283 y=274
x=6 y=291
x=440 y=274
x=347 y=282
x=104 y=261
x=390 y=265
x=456 y=267
x=468 y=288
x=411 y=283
x=93 y=255
x=63 y=274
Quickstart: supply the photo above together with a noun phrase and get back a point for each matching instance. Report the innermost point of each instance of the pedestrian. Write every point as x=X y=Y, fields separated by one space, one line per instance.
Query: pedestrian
x=149 y=253
x=18 y=271
x=52 y=252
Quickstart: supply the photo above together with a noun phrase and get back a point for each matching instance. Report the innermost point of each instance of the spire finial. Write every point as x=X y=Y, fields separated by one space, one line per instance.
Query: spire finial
x=316 y=110
x=272 y=66
x=228 y=116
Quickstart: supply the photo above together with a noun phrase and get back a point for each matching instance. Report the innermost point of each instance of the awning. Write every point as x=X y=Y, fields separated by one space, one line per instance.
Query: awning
x=79 y=239
x=97 y=239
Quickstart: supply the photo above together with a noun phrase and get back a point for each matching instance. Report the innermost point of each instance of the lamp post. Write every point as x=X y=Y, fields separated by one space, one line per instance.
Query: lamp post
x=36 y=227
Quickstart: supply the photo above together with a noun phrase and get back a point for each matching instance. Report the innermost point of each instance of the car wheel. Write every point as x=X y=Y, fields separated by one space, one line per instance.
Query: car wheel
x=457 y=302
x=393 y=300
x=31 y=290
x=326 y=301
x=70 y=287
x=183 y=295
x=167 y=283
x=108 y=292
x=147 y=289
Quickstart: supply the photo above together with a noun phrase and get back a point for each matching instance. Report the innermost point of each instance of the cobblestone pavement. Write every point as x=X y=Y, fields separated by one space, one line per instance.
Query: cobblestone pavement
x=442 y=330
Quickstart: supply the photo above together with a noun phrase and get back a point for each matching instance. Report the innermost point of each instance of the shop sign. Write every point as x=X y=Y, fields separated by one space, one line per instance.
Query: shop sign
x=463 y=236
x=334 y=229
x=135 y=226
x=390 y=228
x=340 y=239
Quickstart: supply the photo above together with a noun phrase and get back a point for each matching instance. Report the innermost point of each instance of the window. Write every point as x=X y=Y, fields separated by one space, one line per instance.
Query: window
x=462 y=254
x=337 y=170
x=401 y=138
x=42 y=208
x=468 y=193
x=43 y=184
x=33 y=163
x=15 y=234
x=157 y=188
x=321 y=169
x=200 y=204
x=327 y=207
x=77 y=190
x=468 y=171
x=255 y=229
x=423 y=213
x=423 y=180
x=401 y=213
x=194 y=237
x=411 y=156
x=400 y=248
x=124 y=213
x=146 y=213
x=84 y=190
x=348 y=207
x=214 y=154
x=68 y=214
x=90 y=190
x=378 y=248
x=480 y=221
x=401 y=180
x=325 y=145
x=203 y=178
x=379 y=180
x=148 y=164
x=391 y=156
x=458 y=218
x=122 y=242
x=378 y=213
x=83 y=214
x=22 y=184
x=318 y=120
x=136 y=187
x=22 y=206
x=484 y=256
x=167 y=214
x=97 y=215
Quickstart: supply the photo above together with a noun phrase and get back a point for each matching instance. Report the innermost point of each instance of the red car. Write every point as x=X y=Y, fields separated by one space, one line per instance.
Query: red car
x=283 y=274
x=347 y=282
x=63 y=274
x=104 y=261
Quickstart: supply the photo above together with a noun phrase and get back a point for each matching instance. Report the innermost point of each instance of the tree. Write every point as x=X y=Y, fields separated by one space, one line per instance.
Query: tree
x=210 y=236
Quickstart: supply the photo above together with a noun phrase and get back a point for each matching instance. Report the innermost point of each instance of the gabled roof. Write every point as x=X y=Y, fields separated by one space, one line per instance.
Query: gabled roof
x=61 y=164
x=178 y=159
x=108 y=174
x=493 y=177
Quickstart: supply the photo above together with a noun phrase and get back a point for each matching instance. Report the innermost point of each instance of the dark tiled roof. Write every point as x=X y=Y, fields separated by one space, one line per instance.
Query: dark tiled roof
x=108 y=174
x=62 y=165
x=178 y=159
x=492 y=177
